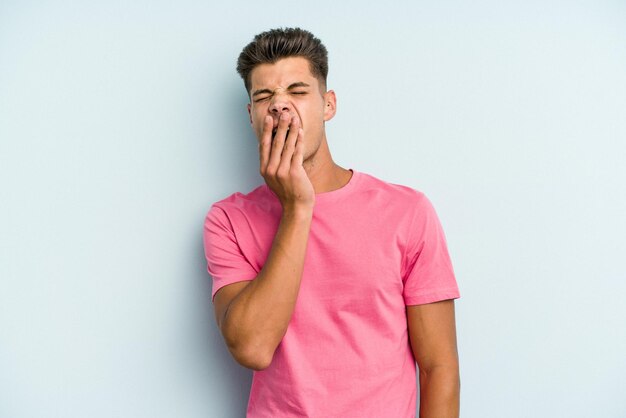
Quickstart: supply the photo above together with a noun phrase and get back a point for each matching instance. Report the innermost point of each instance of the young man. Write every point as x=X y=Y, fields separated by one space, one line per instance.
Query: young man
x=328 y=282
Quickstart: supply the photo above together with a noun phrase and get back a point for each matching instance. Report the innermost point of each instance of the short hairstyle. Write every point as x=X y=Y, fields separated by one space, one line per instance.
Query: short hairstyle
x=272 y=45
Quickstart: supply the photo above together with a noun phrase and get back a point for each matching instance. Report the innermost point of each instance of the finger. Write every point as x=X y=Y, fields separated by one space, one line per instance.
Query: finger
x=278 y=143
x=298 y=153
x=265 y=143
x=290 y=144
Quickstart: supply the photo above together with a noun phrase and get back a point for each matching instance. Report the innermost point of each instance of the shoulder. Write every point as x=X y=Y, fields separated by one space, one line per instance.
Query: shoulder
x=259 y=200
x=393 y=193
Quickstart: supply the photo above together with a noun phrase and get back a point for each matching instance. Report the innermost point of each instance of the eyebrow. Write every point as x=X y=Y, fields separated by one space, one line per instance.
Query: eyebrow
x=291 y=87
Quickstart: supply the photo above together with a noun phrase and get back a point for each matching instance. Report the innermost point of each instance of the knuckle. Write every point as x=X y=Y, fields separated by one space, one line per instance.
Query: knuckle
x=282 y=174
x=269 y=171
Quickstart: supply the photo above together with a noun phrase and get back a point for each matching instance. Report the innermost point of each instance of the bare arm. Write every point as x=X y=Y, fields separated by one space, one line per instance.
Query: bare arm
x=253 y=316
x=432 y=332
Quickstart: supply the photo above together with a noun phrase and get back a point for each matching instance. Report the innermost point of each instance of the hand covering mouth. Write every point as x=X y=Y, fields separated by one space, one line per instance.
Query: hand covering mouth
x=274 y=133
x=275 y=128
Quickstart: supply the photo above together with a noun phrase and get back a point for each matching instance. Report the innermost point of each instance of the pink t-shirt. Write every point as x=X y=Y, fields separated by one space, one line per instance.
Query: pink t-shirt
x=374 y=247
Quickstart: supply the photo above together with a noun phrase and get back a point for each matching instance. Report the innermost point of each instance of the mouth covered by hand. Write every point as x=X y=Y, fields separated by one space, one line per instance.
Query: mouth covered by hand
x=274 y=132
x=276 y=121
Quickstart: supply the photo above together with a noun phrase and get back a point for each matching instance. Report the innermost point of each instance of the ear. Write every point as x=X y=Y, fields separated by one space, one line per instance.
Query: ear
x=250 y=113
x=330 y=105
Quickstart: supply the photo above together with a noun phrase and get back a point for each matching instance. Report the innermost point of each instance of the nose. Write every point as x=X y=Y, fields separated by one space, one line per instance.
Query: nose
x=279 y=105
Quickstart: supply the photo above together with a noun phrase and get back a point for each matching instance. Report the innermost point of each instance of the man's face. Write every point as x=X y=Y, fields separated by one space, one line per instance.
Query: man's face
x=287 y=86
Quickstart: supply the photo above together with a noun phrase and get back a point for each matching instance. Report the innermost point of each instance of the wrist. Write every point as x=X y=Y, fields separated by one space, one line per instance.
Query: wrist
x=298 y=211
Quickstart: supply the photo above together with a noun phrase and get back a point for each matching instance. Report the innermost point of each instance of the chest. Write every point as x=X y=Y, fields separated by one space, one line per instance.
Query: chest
x=351 y=254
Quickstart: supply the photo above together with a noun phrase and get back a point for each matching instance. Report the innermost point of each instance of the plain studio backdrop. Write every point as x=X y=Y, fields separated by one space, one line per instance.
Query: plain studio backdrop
x=121 y=123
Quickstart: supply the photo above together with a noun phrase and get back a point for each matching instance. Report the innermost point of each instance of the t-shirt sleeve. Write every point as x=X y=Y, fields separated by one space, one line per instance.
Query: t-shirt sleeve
x=429 y=276
x=225 y=261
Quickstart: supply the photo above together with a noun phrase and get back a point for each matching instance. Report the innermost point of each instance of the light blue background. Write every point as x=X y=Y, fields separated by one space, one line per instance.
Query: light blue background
x=121 y=123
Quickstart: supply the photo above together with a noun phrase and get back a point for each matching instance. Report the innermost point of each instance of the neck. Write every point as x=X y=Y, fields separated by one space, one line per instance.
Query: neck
x=324 y=174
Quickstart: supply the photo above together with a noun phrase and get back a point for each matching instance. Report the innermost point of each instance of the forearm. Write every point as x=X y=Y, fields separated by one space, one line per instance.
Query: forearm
x=440 y=392
x=257 y=319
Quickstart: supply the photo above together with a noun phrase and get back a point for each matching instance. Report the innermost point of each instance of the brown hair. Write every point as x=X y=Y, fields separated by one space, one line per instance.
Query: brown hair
x=270 y=46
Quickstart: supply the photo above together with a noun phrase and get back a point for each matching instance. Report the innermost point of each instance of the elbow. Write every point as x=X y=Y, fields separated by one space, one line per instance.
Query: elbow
x=251 y=356
x=254 y=359
x=255 y=364
x=251 y=350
